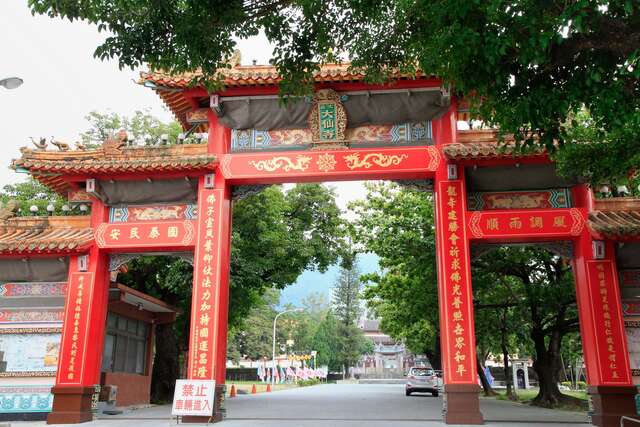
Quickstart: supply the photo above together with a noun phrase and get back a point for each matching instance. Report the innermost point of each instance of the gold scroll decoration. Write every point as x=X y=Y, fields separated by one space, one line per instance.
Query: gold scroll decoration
x=326 y=162
x=283 y=163
x=383 y=160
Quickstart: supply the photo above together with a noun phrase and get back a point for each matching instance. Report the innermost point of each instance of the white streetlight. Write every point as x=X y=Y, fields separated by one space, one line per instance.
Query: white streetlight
x=273 y=353
x=11 y=82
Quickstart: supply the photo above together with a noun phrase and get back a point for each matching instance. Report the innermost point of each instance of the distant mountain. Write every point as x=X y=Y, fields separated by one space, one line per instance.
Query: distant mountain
x=314 y=281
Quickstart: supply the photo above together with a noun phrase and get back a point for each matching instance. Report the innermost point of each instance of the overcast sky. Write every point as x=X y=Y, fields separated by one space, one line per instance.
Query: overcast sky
x=63 y=83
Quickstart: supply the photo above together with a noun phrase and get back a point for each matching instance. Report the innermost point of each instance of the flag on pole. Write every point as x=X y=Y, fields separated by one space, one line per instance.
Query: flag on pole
x=260 y=373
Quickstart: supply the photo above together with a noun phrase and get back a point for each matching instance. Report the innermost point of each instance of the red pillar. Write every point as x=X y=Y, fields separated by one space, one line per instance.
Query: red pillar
x=455 y=298
x=210 y=294
x=604 y=345
x=83 y=332
x=457 y=336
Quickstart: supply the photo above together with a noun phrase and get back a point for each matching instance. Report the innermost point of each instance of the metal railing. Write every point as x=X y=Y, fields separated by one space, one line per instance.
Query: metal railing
x=625 y=418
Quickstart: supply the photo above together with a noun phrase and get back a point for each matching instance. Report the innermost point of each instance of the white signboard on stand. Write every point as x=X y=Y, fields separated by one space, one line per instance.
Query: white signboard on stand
x=193 y=397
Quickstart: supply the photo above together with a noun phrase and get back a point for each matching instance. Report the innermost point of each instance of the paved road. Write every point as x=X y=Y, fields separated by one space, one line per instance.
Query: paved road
x=347 y=405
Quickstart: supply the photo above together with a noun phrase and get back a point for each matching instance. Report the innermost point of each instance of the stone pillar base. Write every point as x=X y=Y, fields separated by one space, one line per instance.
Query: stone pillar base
x=462 y=404
x=218 y=412
x=71 y=405
x=610 y=403
x=216 y=418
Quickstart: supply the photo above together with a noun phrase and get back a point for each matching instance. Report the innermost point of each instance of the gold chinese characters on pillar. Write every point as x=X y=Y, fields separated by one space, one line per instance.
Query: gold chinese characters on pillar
x=328 y=118
x=606 y=311
x=76 y=318
x=203 y=302
x=456 y=290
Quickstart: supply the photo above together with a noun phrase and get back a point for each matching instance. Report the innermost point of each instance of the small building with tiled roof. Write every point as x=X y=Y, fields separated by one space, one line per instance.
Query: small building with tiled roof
x=34 y=263
x=45 y=235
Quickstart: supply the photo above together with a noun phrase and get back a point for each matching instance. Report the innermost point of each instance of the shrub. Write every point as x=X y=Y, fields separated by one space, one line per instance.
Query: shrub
x=305 y=383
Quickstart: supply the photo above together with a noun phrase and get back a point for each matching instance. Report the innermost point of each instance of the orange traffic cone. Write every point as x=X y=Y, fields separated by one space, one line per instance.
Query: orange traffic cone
x=253 y=389
x=268 y=388
x=232 y=393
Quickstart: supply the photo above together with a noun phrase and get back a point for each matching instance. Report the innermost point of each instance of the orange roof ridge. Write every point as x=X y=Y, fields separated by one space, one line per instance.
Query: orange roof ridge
x=28 y=235
x=49 y=167
x=259 y=75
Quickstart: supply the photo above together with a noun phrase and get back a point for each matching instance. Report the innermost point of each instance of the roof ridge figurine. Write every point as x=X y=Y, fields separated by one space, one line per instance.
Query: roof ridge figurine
x=40 y=145
x=62 y=146
x=9 y=209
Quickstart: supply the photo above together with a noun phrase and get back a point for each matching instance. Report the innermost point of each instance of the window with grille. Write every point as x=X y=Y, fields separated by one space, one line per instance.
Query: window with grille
x=125 y=345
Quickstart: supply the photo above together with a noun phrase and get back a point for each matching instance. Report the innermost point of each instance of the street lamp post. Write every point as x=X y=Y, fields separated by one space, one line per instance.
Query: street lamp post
x=273 y=353
x=11 y=82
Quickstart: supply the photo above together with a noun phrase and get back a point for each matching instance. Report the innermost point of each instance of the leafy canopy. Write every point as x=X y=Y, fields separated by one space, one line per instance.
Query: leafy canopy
x=397 y=225
x=532 y=64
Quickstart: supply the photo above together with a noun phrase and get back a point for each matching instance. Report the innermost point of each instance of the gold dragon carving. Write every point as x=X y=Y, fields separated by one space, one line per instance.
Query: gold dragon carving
x=383 y=160
x=283 y=163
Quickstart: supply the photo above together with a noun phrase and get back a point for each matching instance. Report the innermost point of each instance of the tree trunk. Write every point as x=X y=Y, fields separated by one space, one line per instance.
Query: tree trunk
x=508 y=378
x=165 y=365
x=486 y=387
x=436 y=360
x=547 y=366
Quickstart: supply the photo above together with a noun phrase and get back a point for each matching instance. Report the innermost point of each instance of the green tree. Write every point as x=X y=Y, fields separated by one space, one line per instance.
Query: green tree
x=498 y=320
x=541 y=287
x=346 y=307
x=346 y=296
x=142 y=128
x=528 y=291
x=252 y=338
x=531 y=64
x=324 y=342
x=32 y=193
x=397 y=225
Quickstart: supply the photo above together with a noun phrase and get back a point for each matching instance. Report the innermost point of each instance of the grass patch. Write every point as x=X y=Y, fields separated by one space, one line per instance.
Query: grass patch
x=526 y=396
x=246 y=386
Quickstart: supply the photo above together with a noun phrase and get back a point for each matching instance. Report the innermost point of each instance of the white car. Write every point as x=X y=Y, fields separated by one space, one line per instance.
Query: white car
x=422 y=380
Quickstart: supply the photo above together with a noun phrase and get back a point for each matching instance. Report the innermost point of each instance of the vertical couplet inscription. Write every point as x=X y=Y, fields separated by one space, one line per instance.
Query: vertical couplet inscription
x=609 y=330
x=75 y=328
x=205 y=275
x=457 y=289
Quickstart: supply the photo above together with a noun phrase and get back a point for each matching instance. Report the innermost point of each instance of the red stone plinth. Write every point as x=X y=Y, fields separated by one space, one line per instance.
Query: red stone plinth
x=462 y=404
x=610 y=403
x=71 y=405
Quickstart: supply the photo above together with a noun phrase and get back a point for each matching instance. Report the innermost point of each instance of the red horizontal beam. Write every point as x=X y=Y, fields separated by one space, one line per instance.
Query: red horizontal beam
x=526 y=225
x=331 y=165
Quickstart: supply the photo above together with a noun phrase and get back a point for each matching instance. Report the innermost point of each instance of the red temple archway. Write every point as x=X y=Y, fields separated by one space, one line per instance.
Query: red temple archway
x=405 y=130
